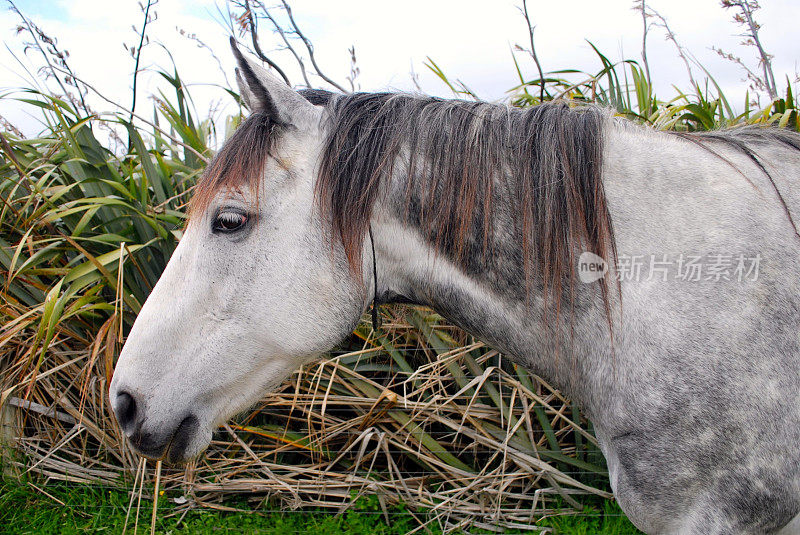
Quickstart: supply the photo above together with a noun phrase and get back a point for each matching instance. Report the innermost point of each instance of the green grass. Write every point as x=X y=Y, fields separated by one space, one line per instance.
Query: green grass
x=606 y=519
x=90 y=509
x=25 y=508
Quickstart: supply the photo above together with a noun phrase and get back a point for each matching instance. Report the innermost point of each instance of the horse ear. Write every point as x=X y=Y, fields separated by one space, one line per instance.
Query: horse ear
x=262 y=92
x=248 y=99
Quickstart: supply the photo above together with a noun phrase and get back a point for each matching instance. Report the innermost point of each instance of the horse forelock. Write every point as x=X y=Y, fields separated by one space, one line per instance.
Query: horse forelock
x=239 y=164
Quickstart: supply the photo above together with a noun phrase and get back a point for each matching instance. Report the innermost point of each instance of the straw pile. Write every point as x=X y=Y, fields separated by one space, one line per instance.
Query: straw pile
x=418 y=414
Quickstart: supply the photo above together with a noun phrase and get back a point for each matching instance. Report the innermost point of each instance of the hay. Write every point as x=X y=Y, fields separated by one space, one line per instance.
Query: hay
x=419 y=414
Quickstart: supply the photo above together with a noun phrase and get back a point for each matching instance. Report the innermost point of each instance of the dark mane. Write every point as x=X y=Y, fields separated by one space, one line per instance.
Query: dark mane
x=472 y=171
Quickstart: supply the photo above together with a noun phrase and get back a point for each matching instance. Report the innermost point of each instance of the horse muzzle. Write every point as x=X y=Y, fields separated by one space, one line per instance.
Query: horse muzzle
x=149 y=439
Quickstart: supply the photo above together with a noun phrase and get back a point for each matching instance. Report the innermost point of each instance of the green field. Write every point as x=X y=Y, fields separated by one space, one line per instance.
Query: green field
x=34 y=507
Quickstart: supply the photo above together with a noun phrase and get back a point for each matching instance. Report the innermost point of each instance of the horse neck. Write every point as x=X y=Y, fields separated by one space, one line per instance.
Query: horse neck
x=489 y=297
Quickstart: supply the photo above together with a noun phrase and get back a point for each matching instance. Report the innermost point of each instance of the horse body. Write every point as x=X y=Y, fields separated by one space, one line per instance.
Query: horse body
x=695 y=403
x=698 y=419
x=693 y=386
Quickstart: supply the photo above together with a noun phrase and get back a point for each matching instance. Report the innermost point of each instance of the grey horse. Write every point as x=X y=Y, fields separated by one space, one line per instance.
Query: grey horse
x=652 y=276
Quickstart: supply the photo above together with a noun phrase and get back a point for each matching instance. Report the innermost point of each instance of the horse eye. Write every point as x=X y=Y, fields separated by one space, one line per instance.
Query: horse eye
x=229 y=222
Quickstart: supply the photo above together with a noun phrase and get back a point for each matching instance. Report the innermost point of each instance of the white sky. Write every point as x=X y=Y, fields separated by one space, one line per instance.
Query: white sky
x=470 y=40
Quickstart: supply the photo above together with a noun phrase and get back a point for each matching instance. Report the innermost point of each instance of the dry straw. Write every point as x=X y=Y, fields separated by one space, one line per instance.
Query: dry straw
x=419 y=414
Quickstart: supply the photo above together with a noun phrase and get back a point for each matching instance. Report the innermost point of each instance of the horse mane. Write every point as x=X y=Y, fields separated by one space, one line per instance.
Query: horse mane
x=465 y=164
x=239 y=163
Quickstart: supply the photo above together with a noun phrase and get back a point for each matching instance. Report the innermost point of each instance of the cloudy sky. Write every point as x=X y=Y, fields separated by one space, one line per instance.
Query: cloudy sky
x=470 y=40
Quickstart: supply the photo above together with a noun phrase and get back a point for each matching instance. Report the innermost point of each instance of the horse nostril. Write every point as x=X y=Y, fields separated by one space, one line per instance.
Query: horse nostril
x=125 y=409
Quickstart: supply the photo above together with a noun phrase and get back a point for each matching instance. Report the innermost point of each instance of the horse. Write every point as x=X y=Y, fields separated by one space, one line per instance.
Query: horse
x=651 y=276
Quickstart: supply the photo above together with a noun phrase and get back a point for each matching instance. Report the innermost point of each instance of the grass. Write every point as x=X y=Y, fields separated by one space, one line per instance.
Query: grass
x=36 y=508
x=87 y=509
x=604 y=519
